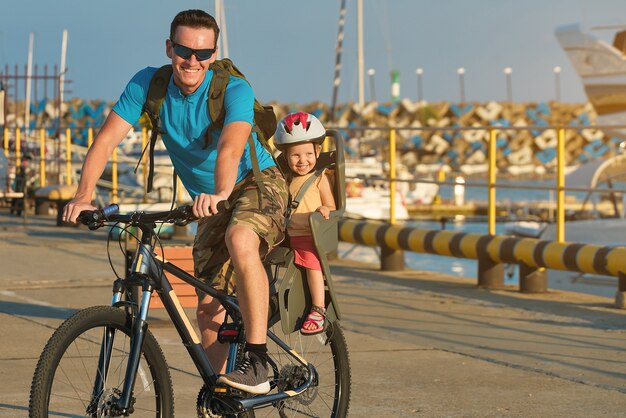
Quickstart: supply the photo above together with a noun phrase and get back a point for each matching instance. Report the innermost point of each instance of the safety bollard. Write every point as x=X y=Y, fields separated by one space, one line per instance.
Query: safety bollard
x=490 y=274
x=620 y=295
x=390 y=259
x=532 y=279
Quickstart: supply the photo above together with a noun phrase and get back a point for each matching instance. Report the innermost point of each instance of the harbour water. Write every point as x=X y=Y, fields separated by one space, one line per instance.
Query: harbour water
x=598 y=285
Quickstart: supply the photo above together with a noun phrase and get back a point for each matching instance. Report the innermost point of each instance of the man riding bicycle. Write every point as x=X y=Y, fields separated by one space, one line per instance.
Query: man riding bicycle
x=211 y=171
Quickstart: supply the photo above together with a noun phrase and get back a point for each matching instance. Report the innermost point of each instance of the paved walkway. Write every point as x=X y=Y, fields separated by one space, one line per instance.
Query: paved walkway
x=421 y=344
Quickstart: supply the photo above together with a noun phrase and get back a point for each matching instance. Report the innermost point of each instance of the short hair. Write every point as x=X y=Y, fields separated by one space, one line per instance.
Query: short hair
x=194 y=18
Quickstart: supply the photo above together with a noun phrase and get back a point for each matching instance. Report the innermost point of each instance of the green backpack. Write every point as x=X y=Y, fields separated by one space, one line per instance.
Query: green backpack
x=264 y=117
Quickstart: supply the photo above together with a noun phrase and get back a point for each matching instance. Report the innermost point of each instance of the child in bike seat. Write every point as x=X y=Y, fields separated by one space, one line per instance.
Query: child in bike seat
x=299 y=136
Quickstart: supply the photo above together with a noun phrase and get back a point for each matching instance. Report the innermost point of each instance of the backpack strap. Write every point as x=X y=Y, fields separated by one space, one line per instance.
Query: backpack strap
x=217 y=113
x=305 y=186
x=215 y=102
x=152 y=108
x=255 y=166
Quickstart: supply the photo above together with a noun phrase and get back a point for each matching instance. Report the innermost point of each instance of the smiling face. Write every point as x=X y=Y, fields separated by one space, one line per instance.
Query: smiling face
x=302 y=157
x=189 y=73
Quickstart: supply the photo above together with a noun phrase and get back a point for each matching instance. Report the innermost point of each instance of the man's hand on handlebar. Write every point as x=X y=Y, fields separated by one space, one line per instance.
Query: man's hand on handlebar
x=206 y=204
x=74 y=208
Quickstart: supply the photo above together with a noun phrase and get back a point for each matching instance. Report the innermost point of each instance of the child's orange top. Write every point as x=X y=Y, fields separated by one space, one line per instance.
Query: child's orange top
x=299 y=221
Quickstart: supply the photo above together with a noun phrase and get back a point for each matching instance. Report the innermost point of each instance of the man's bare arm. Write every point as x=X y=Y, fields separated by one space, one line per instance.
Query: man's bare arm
x=230 y=148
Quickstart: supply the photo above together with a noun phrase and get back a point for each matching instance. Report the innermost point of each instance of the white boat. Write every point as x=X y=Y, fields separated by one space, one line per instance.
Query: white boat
x=369 y=202
x=368 y=193
x=602 y=68
x=525 y=229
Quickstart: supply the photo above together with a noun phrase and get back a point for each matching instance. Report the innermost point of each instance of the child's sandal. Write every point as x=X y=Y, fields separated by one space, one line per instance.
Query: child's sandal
x=315 y=322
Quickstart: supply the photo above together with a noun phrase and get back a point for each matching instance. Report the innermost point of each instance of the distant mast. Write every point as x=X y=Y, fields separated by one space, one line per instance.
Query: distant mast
x=338 y=53
x=220 y=17
x=361 y=76
x=63 y=70
x=29 y=72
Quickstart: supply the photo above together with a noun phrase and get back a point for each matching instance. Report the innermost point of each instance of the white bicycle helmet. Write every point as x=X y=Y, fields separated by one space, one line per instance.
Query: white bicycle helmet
x=298 y=128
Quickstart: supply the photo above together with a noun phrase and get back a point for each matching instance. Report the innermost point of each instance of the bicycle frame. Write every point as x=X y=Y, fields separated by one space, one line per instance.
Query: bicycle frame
x=147 y=271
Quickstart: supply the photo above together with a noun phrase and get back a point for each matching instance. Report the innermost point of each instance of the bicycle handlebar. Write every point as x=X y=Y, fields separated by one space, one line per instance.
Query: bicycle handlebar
x=181 y=215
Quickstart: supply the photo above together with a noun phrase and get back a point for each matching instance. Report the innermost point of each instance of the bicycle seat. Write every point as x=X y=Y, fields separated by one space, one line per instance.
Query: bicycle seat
x=294 y=296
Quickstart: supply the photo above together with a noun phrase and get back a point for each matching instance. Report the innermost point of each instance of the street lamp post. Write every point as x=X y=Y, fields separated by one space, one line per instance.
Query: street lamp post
x=509 y=89
x=371 y=72
x=419 y=72
x=557 y=82
x=461 y=73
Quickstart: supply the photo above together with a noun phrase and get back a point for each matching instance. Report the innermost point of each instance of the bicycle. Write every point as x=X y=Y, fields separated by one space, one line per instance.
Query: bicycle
x=104 y=361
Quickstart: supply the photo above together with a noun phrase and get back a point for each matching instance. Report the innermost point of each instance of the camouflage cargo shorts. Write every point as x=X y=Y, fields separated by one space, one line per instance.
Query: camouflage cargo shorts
x=263 y=211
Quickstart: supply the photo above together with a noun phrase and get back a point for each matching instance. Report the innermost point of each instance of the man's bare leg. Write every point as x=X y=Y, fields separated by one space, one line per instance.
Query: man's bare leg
x=210 y=316
x=252 y=283
x=253 y=295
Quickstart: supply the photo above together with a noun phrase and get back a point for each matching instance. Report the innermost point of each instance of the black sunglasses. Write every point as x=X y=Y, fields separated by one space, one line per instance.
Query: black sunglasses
x=186 y=52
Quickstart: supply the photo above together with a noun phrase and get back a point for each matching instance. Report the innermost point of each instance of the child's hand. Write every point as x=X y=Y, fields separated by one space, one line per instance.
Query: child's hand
x=324 y=211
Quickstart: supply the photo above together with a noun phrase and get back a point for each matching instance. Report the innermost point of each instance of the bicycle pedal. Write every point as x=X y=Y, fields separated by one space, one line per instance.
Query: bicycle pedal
x=225 y=400
x=229 y=333
x=230 y=392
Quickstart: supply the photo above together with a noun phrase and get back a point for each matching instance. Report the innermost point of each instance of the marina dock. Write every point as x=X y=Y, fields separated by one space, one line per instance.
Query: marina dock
x=518 y=210
x=421 y=344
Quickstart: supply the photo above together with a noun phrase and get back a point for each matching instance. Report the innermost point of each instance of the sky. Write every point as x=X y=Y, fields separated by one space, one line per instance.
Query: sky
x=287 y=49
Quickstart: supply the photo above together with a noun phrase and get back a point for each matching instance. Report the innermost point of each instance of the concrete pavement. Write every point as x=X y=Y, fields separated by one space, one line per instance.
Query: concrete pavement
x=421 y=344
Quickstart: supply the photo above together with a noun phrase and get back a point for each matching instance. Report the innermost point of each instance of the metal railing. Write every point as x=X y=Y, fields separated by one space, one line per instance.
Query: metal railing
x=391 y=134
x=492 y=184
x=487 y=261
x=64 y=163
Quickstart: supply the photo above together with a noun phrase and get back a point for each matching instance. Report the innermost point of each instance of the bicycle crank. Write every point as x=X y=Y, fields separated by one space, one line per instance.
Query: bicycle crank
x=222 y=401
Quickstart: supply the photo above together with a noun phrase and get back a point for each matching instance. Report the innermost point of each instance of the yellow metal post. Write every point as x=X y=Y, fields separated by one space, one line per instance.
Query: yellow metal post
x=492 y=182
x=441 y=177
x=179 y=191
x=89 y=137
x=391 y=259
x=68 y=156
x=18 y=144
x=144 y=142
x=560 y=186
x=42 y=157
x=6 y=142
x=392 y=176
x=114 y=176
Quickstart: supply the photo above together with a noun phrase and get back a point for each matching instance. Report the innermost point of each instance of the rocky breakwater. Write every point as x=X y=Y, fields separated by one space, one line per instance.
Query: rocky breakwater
x=429 y=137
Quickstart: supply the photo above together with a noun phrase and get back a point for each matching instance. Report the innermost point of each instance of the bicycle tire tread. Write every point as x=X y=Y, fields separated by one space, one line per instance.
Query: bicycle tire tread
x=42 y=378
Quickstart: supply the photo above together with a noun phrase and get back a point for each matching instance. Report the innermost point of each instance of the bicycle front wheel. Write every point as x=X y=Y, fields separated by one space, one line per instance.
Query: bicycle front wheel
x=74 y=378
x=330 y=394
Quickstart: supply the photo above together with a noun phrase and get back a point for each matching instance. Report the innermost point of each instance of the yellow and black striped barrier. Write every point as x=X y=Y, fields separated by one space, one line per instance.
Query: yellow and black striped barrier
x=533 y=254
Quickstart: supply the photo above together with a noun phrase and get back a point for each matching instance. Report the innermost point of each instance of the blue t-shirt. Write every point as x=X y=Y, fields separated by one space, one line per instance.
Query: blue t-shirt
x=184 y=121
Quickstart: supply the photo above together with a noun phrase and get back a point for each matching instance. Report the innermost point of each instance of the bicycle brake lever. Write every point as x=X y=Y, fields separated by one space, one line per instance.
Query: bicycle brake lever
x=95 y=225
x=186 y=214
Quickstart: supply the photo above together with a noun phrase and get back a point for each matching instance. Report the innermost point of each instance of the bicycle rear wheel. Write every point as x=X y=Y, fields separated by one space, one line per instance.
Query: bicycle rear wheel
x=69 y=366
x=330 y=394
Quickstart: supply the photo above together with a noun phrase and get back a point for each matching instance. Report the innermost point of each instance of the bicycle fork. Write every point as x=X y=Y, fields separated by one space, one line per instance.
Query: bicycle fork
x=123 y=405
